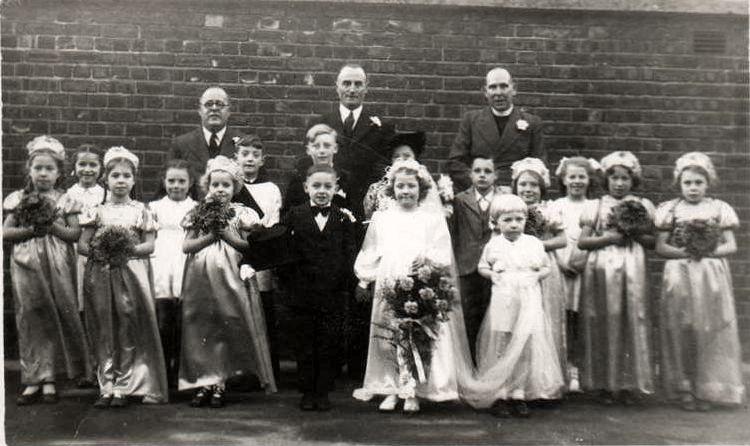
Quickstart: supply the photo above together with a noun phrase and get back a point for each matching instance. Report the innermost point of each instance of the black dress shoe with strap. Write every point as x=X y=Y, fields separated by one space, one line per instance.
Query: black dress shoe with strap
x=29 y=398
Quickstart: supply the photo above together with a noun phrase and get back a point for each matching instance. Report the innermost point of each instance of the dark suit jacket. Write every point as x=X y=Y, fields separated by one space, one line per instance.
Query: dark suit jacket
x=470 y=231
x=323 y=273
x=192 y=148
x=478 y=135
x=364 y=155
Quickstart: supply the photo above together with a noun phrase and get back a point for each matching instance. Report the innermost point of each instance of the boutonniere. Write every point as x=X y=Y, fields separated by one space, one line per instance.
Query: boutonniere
x=376 y=121
x=522 y=124
x=348 y=214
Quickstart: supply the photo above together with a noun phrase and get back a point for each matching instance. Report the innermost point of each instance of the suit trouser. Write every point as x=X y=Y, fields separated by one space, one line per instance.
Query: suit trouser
x=316 y=346
x=269 y=312
x=475 y=297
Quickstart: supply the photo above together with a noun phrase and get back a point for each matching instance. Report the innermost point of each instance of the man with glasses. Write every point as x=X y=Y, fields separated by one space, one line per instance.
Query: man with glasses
x=213 y=138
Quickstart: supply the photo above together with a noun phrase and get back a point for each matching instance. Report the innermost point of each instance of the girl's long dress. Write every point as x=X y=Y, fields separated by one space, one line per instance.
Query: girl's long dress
x=516 y=353
x=51 y=338
x=701 y=351
x=571 y=216
x=614 y=316
x=89 y=197
x=168 y=260
x=120 y=313
x=395 y=238
x=223 y=327
x=553 y=286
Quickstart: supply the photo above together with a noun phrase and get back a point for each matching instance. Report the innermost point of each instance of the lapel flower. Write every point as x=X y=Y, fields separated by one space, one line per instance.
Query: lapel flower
x=522 y=124
x=347 y=213
x=376 y=121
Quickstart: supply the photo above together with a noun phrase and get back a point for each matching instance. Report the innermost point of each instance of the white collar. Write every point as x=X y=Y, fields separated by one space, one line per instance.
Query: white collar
x=219 y=134
x=488 y=196
x=344 y=113
x=503 y=113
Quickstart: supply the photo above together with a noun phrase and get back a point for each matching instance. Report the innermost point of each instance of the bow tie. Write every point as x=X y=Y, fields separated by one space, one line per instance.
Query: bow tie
x=319 y=210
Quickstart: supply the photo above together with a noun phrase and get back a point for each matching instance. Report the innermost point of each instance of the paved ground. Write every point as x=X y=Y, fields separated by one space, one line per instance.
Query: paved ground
x=257 y=419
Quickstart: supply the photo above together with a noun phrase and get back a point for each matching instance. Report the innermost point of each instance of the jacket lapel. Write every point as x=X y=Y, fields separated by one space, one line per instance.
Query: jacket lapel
x=510 y=133
x=470 y=199
x=362 y=126
x=488 y=129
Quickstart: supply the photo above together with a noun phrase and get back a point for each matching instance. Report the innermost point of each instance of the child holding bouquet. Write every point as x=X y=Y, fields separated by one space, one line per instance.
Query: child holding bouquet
x=616 y=230
x=42 y=224
x=118 y=238
x=401 y=241
x=701 y=355
x=530 y=181
x=221 y=333
x=516 y=354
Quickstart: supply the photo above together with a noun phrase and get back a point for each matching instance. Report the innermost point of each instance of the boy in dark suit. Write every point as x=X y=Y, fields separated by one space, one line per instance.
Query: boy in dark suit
x=470 y=231
x=323 y=241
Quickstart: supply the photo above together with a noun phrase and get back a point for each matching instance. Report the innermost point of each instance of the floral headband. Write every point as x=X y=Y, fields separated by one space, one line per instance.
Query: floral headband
x=410 y=165
x=696 y=159
x=224 y=164
x=622 y=158
x=48 y=143
x=120 y=152
x=593 y=164
x=530 y=164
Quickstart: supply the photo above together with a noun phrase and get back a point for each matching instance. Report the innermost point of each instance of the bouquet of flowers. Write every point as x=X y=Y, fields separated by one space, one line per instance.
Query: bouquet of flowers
x=418 y=303
x=445 y=191
x=699 y=237
x=113 y=245
x=36 y=210
x=630 y=218
x=211 y=215
x=536 y=224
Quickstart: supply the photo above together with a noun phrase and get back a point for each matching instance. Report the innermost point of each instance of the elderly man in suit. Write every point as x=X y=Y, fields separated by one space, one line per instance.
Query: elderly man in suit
x=501 y=131
x=213 y=137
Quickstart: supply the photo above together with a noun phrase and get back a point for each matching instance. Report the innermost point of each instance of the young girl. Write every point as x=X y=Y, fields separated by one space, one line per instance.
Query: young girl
x=168 y=260
x=530 y=181
x=516 y=355
x=614 y=325
x=701 y=355
x=576 y=177
x=118 y=300
x=42 y=266
x=221 y=334
x=396 y=240
x=87 y=191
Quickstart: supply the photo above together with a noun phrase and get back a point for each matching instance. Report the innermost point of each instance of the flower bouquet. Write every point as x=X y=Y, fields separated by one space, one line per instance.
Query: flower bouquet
x=418 y=303
x=445 y=191
x=536 y=224
x=630 y=218
x=113 y=245
x=699 y=237
x=211 y=215
x=36 y=211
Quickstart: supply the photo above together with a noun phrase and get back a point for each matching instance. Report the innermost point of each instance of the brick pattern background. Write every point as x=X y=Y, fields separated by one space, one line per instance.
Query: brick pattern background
x=130 y=73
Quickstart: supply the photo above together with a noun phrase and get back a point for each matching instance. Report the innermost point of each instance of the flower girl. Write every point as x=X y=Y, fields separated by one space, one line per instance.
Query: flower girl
x=701 y=355
x=399 y=241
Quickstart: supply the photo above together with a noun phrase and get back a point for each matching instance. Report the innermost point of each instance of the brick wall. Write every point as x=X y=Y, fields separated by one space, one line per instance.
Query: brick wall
x=130 y=73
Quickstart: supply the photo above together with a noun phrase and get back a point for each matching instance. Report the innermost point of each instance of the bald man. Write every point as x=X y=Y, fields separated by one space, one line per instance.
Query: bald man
x=213 y=137
x=501 y=131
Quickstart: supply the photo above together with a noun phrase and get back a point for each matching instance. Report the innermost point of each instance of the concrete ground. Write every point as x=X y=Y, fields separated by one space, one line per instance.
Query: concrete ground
x=259 y=419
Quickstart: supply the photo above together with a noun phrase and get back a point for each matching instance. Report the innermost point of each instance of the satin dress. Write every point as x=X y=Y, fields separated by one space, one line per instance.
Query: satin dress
x=120 y=312
x=394 y=239
x=614 y=313
x=51 y=338
x=700 y=345
x=223 y=327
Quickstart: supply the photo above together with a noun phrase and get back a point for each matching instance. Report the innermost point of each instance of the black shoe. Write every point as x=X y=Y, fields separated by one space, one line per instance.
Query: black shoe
x=521 y=410
x=501 y=410
x=606 y=398
x=307 y=402
x=119 y=402
x=50 y=398
x=217 y=398
x=31 y=398
x=201 y=397
x=322 y=403
x=626 y=397
x=103 y=401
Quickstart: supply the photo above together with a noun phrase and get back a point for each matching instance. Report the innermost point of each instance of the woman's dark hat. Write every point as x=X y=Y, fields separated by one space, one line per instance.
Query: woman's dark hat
x=415 y=140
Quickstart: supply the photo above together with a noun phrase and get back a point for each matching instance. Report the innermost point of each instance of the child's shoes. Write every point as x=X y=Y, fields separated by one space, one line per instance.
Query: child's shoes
x=411 y=405
x=217 y=397
x=26 y=398
x=388 y=404
x=521 y=409
x=103 y=401
x=307 y=402
x=201 y=397
x=322 y=403
x=118 y=401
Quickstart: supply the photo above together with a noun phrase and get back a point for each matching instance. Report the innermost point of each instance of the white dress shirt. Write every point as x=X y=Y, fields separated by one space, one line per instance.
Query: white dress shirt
x=219 y=135
x=344 y=112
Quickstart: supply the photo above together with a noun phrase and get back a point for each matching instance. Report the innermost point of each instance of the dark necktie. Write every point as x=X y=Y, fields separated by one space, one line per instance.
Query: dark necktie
x=319 y=210
x=349 y=124
x=213 y=145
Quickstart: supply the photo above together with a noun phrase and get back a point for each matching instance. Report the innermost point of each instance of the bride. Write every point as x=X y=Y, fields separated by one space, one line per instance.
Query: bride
x=399 y=240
